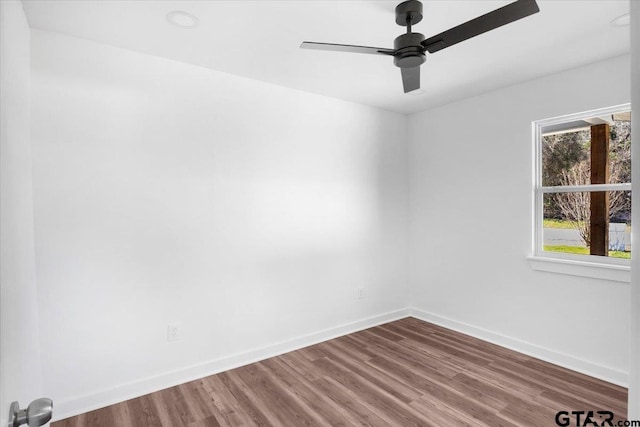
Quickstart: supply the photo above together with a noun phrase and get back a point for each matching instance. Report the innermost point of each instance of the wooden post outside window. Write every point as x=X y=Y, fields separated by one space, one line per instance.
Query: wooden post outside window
x=599 y=228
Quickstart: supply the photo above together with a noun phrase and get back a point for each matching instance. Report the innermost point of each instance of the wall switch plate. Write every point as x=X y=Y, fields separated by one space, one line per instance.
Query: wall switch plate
x=360 y=293
x=173 y=332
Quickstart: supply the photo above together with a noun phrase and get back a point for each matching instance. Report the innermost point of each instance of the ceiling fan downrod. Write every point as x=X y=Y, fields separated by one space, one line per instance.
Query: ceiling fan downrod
x=409 y=51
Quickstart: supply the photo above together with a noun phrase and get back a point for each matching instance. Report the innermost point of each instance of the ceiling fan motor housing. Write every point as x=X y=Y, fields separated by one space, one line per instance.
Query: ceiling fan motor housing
x=409 y=50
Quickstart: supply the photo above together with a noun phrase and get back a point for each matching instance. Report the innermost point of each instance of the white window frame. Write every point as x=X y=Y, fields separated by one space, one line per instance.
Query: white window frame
x=600 y=267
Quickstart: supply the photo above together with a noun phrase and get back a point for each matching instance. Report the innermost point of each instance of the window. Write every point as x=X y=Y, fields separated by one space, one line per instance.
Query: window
x=583 y=187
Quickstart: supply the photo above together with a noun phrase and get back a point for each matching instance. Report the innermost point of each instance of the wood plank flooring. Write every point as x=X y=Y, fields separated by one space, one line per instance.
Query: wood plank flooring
x=403 y=373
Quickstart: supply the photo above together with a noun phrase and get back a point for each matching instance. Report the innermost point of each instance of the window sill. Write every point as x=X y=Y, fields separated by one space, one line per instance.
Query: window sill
x=615 y=273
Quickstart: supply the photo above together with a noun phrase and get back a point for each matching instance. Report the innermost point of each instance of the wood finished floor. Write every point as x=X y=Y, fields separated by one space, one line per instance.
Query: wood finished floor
x=403 y=373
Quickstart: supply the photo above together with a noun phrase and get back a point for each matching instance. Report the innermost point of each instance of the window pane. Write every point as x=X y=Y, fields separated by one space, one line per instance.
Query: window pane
x=566 y=158
x=567 y=223
x=566 y=151
x=620 y=149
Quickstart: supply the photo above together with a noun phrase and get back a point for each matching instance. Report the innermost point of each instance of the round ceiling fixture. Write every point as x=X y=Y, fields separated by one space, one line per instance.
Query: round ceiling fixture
x=622 y=20
x=182 y=19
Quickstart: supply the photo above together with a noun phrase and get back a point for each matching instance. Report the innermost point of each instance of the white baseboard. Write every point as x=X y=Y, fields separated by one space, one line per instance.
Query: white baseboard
x=570 y=362
x=102 y=398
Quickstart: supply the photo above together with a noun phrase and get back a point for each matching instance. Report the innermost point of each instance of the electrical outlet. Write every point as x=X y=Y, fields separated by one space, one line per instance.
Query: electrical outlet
x=360 y=293
x=173 y=332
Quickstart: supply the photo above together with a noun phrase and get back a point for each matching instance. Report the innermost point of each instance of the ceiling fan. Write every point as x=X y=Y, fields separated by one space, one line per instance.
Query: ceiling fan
x=409 y=49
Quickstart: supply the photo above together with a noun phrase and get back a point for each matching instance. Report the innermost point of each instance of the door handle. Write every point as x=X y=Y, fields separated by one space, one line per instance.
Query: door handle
x=38 y=413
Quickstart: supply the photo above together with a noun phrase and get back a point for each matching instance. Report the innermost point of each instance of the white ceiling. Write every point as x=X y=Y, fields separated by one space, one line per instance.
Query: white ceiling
x=260 y=40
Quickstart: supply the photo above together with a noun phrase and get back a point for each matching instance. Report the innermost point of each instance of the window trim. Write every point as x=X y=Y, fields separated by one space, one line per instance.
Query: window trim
x=580 y=265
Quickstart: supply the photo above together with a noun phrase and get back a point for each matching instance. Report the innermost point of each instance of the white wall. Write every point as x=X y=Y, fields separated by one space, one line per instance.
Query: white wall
x=634 y=374
x=20 y=367
x=248 y=213
x=471 y=174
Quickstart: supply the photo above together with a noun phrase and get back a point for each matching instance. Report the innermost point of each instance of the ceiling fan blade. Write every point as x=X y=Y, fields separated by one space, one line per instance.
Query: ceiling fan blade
x=347 y=48
x=410 y=78
x=492 y=20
